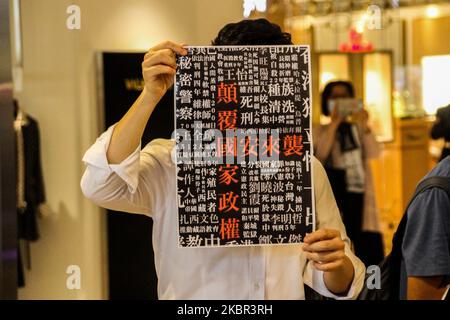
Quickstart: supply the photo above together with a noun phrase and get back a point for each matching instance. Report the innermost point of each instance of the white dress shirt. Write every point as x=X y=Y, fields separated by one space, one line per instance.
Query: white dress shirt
x=145 y=183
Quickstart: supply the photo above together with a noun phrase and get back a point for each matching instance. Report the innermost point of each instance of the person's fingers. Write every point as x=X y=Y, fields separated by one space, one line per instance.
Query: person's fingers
x=170 y=45
x=328 y=266
x=325 y=245
x=322 y=234
x=159 y=70
x=325 y=257
x=165 y=57
x=336 y=116
x=334 y=113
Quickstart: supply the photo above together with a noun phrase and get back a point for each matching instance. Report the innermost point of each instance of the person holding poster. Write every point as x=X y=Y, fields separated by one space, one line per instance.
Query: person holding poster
x=122 y=176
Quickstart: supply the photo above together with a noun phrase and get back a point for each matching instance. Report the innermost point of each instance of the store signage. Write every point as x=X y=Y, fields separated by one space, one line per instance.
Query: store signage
x=356 y=43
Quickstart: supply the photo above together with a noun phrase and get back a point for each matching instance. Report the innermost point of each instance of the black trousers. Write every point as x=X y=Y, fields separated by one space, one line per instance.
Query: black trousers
x=352 y=213
x=368 y=245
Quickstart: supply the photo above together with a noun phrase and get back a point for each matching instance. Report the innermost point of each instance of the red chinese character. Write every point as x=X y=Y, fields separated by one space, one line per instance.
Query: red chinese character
x=227 y=146
x=293 y=145
x=229 y=229
x=271 y=146
x=226 y=93
x=250 y=146
x=228 y=172
x=227 y=202
x=227 y=119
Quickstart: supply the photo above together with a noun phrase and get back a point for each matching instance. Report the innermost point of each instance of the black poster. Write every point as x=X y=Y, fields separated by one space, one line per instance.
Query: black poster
x=243 y=120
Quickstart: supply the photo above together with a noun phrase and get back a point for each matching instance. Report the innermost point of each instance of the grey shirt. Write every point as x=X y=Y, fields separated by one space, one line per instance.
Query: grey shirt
x=426 y=243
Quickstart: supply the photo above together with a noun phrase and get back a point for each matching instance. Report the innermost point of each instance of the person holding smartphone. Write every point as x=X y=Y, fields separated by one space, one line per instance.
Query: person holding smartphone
x=344 y=146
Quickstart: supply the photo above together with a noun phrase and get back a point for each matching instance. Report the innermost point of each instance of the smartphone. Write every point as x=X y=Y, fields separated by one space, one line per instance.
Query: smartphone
x=346 y=106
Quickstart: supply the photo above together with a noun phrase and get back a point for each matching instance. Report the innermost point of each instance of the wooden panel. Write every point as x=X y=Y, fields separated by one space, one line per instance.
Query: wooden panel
x=414 y=154
x=413 y=137
x=430 y=38
x=387 y=178
x=396 y=173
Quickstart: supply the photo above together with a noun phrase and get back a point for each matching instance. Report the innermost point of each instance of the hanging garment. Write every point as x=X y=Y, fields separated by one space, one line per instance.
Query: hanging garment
x=30 y=185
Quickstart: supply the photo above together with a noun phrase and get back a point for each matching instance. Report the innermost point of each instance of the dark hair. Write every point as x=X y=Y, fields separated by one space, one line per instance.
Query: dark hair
x=252 y=32
x=326 y=93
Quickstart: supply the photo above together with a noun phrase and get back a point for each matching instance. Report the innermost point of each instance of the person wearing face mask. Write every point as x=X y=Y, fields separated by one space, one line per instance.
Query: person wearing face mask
x=343 y=146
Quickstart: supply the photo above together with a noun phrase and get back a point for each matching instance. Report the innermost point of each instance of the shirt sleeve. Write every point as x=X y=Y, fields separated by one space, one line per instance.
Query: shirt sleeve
x=328 y=216
x=426 y=241
x=138 y=184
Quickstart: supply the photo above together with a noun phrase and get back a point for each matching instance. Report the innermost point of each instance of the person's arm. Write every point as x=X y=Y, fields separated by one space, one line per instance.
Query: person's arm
x=425 y=288
x=158 y=69
x=324 y=140
x=139 y=184
x=371 y=147
x=118 y=175
x=425 y=245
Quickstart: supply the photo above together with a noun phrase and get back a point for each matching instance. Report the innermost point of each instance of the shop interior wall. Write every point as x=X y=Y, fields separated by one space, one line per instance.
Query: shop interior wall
x=5 y=56
x=59 y=90
x=430 y=38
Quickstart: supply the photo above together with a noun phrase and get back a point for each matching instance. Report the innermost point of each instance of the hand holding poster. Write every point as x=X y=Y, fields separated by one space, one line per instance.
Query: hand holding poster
x=243 y=120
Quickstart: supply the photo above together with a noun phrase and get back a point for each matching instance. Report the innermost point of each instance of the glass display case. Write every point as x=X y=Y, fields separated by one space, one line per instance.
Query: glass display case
x=372 y=76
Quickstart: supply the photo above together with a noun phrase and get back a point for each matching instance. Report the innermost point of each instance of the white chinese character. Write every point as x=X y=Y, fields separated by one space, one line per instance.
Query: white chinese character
x=288 y=106
x=288 y=89
x=246 y=118
x=185 y=113
x=305 y=55
x=306 y=108
x=246 y=102
x=280 y=239
x=295 y=238
x=274 y=89
x=265 y=239
x=185 y=63
x=186 y=96
x=212 y=241
x=305 y=79
x=194 y=241
x=241 y=74
x=185 y=79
